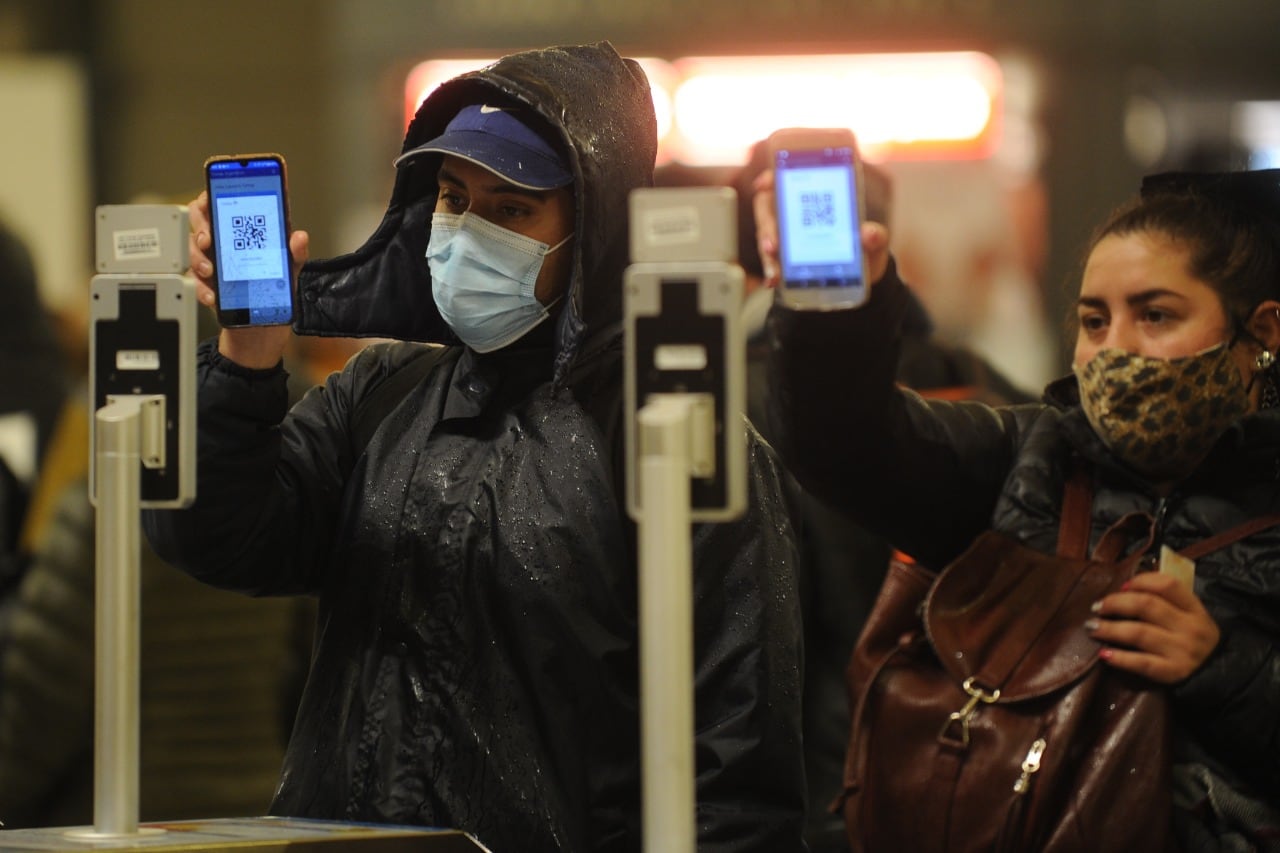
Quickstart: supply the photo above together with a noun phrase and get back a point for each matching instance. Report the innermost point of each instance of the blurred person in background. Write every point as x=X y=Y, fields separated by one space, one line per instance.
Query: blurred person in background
x=970 y=238
x=34 y=380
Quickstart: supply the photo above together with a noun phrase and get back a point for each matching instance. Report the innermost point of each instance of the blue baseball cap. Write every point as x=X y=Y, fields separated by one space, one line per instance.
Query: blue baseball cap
x=495 y=139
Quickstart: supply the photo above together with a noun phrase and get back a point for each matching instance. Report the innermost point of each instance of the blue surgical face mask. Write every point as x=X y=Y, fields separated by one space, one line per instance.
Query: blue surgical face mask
x=482 y=279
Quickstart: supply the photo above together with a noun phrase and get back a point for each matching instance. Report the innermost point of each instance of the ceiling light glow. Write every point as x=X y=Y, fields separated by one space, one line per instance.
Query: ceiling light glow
x=710 y=110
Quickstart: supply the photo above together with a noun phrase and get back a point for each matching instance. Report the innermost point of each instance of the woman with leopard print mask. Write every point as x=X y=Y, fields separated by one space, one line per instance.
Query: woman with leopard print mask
x=1177 y=326
x=1172 y=406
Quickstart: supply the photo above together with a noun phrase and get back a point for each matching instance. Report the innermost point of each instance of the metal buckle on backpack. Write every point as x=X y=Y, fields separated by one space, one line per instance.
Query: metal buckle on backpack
x=961 y=717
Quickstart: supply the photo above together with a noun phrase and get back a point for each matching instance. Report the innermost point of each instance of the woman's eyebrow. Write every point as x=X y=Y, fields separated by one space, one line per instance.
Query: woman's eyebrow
x=1140 y=298
x=1145 y=296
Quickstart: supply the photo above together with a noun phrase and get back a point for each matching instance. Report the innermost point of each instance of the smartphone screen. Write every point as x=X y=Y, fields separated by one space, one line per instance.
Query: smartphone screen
x=250 y=240
x=818 y=221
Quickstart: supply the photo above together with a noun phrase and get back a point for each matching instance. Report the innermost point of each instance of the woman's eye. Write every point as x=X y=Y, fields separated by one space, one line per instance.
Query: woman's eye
x=1093 y=322
x=451 y=199
x=1154 y=316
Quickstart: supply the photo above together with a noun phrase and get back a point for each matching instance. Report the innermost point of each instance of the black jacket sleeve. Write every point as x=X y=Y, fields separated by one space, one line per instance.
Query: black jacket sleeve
x=269 y=487
x=923 y=474
x=1232 y=702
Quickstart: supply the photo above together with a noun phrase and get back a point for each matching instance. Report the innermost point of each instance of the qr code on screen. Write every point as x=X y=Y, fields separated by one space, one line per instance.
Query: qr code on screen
x=817 y=209
x=248 y=232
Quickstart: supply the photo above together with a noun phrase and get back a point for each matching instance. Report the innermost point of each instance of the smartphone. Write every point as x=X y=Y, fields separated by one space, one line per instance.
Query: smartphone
x=249 y=223
x=820 y=205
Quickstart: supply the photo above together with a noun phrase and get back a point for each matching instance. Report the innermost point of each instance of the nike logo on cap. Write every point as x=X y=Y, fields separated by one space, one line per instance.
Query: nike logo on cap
x=485 y=108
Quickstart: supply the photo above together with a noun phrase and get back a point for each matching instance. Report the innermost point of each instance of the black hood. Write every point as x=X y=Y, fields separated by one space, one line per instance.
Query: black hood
x=598 y=110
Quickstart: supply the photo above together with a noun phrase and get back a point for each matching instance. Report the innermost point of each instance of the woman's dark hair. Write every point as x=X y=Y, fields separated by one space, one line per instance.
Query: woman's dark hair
x=1229 y=223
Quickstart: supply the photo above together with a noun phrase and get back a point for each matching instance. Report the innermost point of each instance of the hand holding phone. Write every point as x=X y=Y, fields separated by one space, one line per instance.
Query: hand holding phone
x=249 y=227
x=819 y=207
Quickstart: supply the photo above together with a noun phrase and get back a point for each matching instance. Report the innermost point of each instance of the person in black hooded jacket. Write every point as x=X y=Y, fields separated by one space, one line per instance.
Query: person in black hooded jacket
x=1174 y=411
x=475 y=662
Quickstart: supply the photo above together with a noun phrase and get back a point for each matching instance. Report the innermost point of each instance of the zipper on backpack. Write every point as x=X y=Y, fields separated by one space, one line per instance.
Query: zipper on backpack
x=1030 y=765
x=1010 y=839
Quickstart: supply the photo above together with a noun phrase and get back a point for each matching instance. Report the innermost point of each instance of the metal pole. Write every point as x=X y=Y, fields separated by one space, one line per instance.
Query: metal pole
x=117 y=604
x=666 y=629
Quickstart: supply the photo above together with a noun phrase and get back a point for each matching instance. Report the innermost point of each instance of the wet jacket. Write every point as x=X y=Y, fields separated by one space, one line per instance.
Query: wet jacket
x=476 y=655
x=932 y=475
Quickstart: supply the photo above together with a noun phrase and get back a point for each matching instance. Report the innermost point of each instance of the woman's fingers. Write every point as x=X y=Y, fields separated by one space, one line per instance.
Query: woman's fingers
x=1155 y=627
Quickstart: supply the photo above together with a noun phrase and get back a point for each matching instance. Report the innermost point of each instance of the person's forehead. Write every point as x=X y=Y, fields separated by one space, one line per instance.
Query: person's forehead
x=477 y=177
x=1136 y=257
x=1139 y=267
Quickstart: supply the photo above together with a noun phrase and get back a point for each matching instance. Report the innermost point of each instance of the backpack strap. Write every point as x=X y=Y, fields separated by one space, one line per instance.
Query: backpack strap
x=1073 y=527
x=383 y=399
x=1227 y=537
x=1077 y=518
x=1077 y=506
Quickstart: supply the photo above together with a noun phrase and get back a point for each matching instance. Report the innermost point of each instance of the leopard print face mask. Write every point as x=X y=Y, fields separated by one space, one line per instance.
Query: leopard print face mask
x=1161 y=416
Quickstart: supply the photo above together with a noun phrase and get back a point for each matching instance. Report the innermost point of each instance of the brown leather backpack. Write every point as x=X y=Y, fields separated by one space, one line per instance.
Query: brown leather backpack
x=983 y=719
